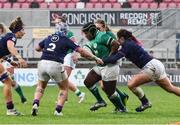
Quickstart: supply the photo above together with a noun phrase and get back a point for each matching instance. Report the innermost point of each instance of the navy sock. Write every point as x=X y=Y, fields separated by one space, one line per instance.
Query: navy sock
x=10 y=105
x=144 y=100
x=59 y=108
x=36 y=101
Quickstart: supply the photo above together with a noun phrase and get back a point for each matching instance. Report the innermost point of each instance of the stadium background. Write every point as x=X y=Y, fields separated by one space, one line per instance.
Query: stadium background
x=157 y=28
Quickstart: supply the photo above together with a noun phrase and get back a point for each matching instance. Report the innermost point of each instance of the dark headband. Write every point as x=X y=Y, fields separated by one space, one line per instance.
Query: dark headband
x=16 y=29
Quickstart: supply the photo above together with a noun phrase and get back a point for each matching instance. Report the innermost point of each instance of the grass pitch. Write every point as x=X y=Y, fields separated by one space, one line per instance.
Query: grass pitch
x=165 y=109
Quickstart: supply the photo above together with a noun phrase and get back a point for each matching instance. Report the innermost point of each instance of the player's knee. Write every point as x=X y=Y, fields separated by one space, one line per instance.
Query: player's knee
x=87 y=83
x=63 y=94
x=14 y=84
x=109 y=87
x=39 y=89
x=130 y=85
x=64 y=87
x=109 y=92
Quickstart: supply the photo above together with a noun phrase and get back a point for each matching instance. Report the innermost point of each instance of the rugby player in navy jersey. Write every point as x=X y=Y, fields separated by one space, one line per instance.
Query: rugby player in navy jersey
x=152 y=69
x=7 y=47
x=69 y=64
x=54 y=48
x=7 y=62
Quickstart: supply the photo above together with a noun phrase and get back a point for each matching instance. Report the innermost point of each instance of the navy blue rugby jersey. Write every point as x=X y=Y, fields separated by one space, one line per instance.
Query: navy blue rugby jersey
x=3 y=43
x=56 y=46
x=133 y=52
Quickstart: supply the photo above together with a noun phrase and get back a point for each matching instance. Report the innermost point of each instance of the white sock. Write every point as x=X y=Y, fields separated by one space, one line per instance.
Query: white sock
x=138 y=92
x=78 y=92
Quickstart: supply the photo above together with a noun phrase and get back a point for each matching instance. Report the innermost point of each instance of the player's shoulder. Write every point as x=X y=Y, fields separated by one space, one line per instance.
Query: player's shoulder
x=110 y=33
x=100 y=34
x=130 y=44
x=10 y=36
x=89 y=44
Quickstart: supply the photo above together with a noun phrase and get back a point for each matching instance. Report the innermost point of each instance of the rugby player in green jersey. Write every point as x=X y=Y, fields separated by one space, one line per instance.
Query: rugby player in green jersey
x=102 y=45
x=102 y=26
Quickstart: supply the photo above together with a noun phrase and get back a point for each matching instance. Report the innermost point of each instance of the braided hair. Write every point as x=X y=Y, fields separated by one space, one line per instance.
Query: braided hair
x=91 y=28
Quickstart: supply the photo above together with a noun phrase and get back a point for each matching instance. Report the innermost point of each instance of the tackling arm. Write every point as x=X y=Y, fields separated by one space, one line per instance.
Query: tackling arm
x=113 y=58
x=89 y=55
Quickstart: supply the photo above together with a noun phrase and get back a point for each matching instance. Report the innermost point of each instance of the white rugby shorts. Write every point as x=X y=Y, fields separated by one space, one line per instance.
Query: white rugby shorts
x=51 y=70
x=68 y=61
x=109 y=72
x=155 y=70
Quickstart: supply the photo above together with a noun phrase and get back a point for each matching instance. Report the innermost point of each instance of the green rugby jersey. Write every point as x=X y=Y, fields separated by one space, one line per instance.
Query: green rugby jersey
x=101 y=45
x=111 y=34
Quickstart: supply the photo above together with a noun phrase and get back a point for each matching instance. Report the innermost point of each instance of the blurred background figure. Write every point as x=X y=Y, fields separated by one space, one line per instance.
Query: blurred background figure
x=2 y=30
x=34 y=4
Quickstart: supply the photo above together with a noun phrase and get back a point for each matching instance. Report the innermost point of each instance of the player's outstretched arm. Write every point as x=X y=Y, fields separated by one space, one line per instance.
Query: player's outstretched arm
x=113 y=58
x=89 y=55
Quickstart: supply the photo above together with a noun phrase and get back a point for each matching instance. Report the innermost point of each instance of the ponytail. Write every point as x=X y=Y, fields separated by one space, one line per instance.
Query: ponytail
x=136 y=41
x=99 y=21
x=128 y=35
